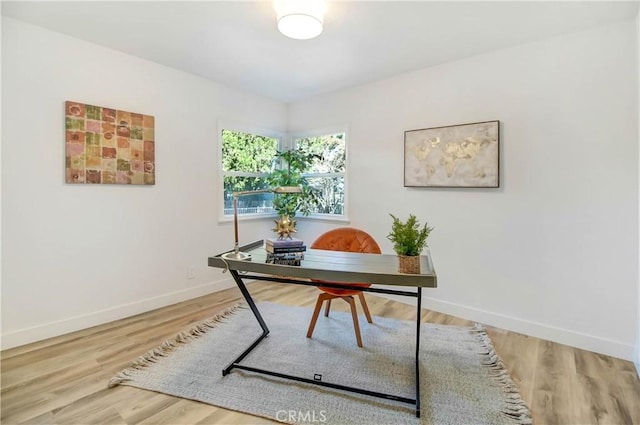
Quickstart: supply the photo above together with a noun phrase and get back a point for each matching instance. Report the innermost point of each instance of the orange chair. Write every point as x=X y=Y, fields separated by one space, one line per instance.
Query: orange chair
x=346 y=239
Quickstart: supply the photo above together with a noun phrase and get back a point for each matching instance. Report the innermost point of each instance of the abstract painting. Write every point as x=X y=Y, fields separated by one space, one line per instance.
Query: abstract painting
x=108 y=146
x=465 y=155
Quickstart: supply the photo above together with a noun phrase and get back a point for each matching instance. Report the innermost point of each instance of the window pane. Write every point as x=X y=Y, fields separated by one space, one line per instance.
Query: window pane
x=247 y=204
x=330 y=191
x=330 y=148
x=247 y=152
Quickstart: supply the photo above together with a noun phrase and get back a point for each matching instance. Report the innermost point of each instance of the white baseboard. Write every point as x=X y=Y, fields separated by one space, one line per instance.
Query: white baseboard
x=76 y=323
x=538 y=330
x=526 y=327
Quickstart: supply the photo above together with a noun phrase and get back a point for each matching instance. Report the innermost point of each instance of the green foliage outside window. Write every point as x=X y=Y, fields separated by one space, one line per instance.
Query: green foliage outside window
x=246 y=160
x=329 y=153
x=326 y=172
x=317 y=164
x=246 y=153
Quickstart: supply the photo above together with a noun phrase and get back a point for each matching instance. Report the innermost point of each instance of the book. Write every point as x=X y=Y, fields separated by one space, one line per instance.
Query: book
x=283 y=243
x=284 y=250
x=285 y=259
x=286 y=262
x=291 y=258
x=285 y=255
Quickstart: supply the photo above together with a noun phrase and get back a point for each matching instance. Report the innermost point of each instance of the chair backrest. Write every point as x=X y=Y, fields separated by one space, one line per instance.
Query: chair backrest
x=347 y=239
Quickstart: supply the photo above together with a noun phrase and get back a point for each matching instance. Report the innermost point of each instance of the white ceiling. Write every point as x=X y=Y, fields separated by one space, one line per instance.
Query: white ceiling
x=236 y=42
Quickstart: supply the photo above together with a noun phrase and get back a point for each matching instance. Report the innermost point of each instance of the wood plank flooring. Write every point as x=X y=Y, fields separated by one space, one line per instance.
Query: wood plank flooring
x=63 y=380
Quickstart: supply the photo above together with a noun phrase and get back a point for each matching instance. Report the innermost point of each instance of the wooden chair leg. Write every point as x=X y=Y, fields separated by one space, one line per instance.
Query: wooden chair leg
x=354 y=314
x=327 y=307
x=316 y=312
x=365 y=307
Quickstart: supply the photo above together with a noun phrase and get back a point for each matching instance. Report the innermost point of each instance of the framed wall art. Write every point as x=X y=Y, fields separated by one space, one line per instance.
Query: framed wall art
x=108 y=146
x=465 y=155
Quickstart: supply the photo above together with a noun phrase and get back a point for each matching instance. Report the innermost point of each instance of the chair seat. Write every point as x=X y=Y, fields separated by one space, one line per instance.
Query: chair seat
x=341 y=292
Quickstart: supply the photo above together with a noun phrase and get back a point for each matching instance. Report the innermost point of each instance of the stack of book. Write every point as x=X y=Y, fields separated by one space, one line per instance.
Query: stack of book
x=285 y=251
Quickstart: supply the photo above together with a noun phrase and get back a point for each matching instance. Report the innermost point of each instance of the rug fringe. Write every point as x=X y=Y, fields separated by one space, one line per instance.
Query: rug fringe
x=514 y=406
x=152 y=356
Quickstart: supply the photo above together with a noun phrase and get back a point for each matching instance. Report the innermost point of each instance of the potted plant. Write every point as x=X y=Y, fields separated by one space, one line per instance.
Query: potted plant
x=288 y=170
x=408 y=242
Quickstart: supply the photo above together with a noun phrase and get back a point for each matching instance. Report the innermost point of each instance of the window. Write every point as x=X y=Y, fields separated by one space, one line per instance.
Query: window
x=247 y=157
x=327 y=175
x=246 y=160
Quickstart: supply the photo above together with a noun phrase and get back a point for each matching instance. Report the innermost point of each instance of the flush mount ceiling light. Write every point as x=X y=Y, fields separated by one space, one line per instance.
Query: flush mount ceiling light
x=300 y=19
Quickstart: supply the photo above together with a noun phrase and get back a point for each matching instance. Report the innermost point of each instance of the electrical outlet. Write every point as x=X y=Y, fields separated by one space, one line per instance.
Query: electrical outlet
x=191 y=272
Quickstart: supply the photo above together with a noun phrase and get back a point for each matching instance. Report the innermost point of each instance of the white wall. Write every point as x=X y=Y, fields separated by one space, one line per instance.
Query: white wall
x=637 y=354
x=79 y=255
x=554 y=251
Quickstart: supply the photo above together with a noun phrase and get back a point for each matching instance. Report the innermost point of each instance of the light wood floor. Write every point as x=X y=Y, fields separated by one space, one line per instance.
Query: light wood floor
x=63 y=380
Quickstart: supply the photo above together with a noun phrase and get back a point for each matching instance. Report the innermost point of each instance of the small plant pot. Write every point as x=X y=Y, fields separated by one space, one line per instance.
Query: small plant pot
x=409 y=264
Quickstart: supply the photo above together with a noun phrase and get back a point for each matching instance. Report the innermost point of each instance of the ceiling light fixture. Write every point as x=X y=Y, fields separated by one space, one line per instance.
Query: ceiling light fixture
x=300 y=19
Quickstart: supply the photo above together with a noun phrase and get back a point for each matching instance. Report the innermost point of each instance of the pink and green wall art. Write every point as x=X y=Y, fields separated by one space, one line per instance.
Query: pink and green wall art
x=108 y=146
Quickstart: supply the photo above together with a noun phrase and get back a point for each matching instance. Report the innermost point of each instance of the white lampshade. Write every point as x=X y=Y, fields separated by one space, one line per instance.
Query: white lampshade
x=300 y=19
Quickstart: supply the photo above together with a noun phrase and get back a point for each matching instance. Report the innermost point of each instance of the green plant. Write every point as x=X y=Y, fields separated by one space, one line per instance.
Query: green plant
x=296 y=162
x=407 y=237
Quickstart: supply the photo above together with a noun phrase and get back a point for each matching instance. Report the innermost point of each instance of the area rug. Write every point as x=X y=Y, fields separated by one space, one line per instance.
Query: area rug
x=463 y=381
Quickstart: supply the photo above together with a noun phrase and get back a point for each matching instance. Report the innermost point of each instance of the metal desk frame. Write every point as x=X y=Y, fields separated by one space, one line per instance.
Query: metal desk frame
x=235 y=266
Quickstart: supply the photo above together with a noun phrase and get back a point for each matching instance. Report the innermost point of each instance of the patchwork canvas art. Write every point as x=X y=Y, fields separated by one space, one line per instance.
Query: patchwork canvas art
x=108 y=146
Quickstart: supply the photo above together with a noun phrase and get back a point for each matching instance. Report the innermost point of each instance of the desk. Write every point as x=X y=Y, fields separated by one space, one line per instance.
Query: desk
x=337 y=266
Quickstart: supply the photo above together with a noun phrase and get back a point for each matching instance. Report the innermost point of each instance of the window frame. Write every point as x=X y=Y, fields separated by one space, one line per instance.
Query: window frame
x=285 y=141
x=324 y=131
x=249 y=129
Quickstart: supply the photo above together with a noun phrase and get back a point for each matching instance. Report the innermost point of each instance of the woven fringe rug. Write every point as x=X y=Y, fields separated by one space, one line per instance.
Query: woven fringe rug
x=463 y=381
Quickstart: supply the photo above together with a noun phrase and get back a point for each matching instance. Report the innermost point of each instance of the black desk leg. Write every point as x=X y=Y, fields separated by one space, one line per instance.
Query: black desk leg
x=418 y=313
x=258 y=316
x=265 y=332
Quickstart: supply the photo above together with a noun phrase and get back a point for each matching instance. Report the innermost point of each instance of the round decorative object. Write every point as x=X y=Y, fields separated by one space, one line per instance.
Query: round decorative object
x=285 y=227
x=409 y=264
